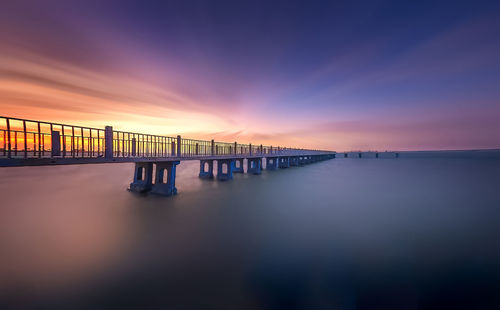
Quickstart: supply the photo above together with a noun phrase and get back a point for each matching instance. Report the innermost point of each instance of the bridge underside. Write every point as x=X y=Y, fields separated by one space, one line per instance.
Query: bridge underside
x=163 y=182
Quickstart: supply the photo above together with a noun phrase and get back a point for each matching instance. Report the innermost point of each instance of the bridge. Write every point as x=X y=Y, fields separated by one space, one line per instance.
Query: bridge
x=37 y=143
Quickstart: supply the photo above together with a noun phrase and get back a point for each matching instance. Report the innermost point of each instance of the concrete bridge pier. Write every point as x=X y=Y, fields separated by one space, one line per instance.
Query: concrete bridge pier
x=206 y=169
x=254 y=165
x=271 y=163
x=238 y=165
x=225 y=169
x=302 y=160
x=284 y=162
x=143 y=177
x=294 y=161
x=165 y=178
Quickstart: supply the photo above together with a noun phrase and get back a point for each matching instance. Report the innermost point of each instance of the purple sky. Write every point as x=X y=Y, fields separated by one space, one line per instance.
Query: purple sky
x=342 y=76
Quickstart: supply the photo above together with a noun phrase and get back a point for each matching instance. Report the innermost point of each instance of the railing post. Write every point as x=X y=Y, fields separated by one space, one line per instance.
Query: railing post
x=179 y=145
x=55 y=143
x=173 y=148
x=8 y=137
x=108 y=142
x=134 y=147
x=250 y=149
x=196 y=148
x=261 y=149
x=213 y=148
x=235 y=148
x=25 y=140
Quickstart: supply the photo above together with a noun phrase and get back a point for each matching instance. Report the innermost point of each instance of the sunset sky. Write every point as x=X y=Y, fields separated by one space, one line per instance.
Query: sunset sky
x=386 y=75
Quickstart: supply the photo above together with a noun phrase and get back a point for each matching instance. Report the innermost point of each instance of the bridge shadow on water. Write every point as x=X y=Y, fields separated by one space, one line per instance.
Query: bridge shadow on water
x=338 y=234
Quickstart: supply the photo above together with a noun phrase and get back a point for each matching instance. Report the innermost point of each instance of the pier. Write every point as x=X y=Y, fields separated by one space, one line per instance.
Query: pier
x=37 y=143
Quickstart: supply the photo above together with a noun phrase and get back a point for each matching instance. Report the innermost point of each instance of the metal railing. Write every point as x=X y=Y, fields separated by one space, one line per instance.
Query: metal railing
x=22 y=138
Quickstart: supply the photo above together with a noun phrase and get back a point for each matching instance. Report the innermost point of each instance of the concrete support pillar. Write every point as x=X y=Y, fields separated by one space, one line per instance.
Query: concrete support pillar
x=294 y=161
x=108 y=142
x=254 y=165
x=305 y=160
x=143 y=177
x=302 y=160
x=284 y=162
x=165 y=178
x=225 y=169
x=238 y=165
x=206 y=169
x=271 y=163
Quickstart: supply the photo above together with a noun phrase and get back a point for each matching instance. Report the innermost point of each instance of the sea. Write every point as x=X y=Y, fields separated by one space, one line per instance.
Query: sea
x=414 y=232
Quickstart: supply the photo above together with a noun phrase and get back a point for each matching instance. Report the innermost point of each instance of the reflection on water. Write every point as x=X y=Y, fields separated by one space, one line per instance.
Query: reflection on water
x=344 y=233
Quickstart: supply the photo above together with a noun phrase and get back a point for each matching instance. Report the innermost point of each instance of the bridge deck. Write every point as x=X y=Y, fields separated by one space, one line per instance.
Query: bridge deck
x=16 y=162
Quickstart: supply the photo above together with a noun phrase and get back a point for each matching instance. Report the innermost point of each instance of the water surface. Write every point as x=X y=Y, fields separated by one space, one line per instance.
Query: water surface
x=345 y=233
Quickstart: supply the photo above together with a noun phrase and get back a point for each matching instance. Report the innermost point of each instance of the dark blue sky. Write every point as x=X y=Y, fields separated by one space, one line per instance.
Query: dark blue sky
x=350 y=74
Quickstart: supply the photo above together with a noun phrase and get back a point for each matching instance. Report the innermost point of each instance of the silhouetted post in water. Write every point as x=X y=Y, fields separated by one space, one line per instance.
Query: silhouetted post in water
x=56 y=143
x=108 y=142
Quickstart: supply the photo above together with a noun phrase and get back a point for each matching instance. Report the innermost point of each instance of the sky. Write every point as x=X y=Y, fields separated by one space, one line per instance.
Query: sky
x=337 y=75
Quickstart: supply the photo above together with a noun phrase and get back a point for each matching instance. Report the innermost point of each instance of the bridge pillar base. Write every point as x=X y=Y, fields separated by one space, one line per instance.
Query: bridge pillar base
x=143 y=178
x=206 y=169
x=165 y=178
x=228 y=173
x=271 y=163
x=302 y=160
x=284 y=162
x=254 y=165
x=238 y=165
x=294 y=161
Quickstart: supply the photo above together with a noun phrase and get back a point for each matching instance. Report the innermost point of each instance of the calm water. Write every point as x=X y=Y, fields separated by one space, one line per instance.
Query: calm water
x=342 y=234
